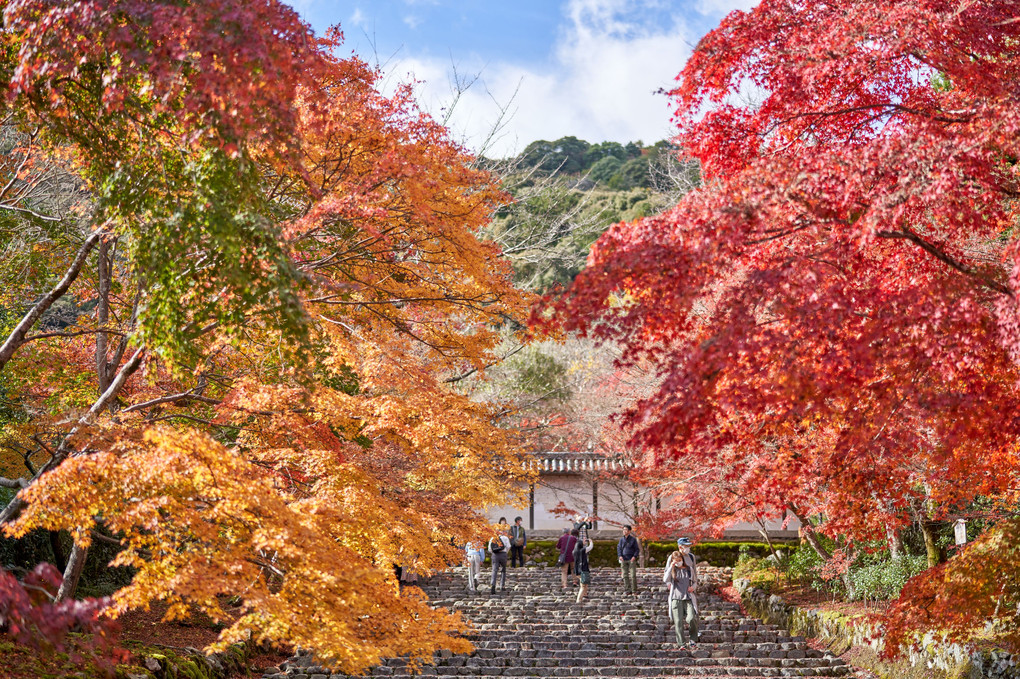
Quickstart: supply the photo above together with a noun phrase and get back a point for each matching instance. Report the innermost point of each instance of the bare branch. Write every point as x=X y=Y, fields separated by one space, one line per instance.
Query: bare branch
x=17 y=337
x=945 y=258
x=13 y=483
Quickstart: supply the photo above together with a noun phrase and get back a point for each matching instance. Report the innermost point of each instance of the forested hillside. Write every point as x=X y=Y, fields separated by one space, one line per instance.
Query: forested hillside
x=568 y=192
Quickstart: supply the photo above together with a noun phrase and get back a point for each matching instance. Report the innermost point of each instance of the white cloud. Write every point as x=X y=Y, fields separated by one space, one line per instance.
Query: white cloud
x=412 y=21
x=600 y=85
x=724 y=6
x=358 y=18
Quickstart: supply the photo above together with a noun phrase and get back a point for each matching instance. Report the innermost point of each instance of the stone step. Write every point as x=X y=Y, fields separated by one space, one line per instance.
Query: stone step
x=622 y=645
x=678 y=672
x=484 y=630
x=536 y=629
x=624 y=639
x=651 y=671
x=667 y=670
x=593 y=659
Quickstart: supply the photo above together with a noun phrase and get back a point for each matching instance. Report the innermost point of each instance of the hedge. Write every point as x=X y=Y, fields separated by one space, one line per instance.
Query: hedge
x=544 y=552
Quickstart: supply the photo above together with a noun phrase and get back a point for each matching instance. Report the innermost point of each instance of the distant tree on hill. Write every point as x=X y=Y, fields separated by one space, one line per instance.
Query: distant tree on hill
x=632 y=174
x=603 y=171
x=565 y=155
x=606 y=149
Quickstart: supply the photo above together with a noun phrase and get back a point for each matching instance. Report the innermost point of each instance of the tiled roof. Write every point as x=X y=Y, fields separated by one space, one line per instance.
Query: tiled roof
x=573 y=463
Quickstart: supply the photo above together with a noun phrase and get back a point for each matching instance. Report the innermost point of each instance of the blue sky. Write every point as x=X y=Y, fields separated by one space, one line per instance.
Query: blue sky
x=545 y=68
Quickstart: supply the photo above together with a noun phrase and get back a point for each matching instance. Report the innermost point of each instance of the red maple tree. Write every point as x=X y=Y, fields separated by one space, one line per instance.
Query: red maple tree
x=834 y=314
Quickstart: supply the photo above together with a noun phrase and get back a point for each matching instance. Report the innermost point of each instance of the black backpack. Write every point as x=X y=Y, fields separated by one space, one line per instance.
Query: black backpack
x=498 y=546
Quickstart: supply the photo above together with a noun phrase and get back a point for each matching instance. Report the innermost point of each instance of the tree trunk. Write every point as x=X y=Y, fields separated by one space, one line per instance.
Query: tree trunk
x=72 y=574
x=17 y=505
x=103 y=315
x=643 y=553
x=807 y=530
x=930 y=548
x=809 y=534
x=895 y=542
x=768 y=540
x=18 y=335
x=58 y=550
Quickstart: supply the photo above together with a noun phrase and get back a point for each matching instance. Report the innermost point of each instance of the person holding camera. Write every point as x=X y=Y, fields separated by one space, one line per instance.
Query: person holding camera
x=582 y=568
x=582 y=524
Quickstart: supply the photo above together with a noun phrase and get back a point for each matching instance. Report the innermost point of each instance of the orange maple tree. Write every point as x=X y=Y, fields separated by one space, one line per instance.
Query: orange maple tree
x=833 y=314
x=269 y=277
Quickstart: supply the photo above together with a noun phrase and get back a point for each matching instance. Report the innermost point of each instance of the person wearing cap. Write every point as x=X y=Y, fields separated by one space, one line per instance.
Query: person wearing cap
x=681 y=577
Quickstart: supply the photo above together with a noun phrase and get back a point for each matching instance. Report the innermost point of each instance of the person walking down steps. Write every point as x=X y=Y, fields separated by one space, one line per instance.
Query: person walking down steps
x=499 y=545
x=518 y=541
x=681 y=577
x=581 y=567
x=627 y=550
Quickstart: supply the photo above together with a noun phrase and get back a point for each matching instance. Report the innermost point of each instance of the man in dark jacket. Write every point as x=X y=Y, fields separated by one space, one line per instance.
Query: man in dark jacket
x=518 y=541
x=627 y=550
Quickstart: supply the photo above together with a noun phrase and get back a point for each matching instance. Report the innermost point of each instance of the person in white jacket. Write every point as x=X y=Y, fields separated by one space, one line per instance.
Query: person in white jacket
x=475 y=555
x=681 y=578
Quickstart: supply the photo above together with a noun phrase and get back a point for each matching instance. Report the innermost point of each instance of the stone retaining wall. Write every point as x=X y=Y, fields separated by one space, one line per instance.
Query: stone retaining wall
x=844 y=634
x=187 y=663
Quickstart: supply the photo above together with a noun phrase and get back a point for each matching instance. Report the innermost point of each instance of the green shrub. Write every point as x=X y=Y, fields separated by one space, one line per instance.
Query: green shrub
x=604 y=552
x=873 y=576
x=760 y=572
x=885 y=579
x=803 y=566
x=748 y=565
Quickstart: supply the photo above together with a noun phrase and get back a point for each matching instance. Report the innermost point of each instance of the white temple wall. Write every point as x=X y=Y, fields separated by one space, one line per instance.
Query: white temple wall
x=615 y=501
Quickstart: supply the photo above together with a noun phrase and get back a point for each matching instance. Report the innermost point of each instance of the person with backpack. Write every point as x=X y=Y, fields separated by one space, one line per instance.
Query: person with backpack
x=499 y=545
x=566 y=545
x=518 y=541
x=627 y=551
x=681 y=577
x=582 y=524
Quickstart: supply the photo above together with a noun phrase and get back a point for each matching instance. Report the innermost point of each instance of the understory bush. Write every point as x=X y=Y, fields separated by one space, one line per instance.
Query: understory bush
x=709 y=552
x=804 y=567
x=759 y=572
x=872 y=576
x=885 y=579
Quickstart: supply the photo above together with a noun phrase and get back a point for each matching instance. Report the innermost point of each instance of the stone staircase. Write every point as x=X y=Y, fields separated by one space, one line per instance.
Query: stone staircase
x=536 y=629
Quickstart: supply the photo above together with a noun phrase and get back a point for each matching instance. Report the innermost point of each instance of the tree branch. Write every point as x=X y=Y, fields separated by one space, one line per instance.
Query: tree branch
x=183 y=396
x=14 y=508
x=464 y=375
x=17 y=337
x=948 y=260
x=73 y=333
x=13 y=483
